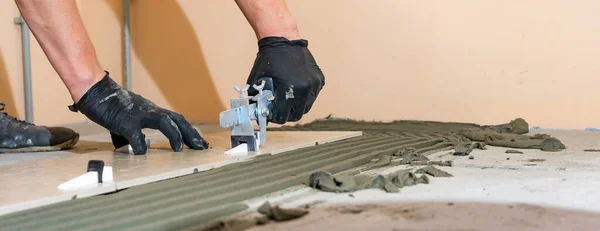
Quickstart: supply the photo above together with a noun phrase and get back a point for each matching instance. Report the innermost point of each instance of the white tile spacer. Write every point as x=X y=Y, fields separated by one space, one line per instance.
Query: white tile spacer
x=88 y=180
x=240 y=149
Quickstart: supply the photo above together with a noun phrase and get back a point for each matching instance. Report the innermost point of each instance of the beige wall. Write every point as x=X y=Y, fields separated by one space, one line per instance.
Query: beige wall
x=10 y=65
x=477 y=61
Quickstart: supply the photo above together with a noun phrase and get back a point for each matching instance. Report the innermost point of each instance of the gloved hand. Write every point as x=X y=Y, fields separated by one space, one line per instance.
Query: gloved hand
x=297 y=78
x=125 y=114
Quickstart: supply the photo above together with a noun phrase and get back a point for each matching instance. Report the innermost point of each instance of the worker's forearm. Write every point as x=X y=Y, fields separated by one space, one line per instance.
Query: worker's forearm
x=57 y=26
x=269 y=18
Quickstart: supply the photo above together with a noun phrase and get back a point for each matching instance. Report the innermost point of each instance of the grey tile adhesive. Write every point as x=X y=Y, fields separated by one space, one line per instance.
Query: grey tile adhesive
x=199 y=198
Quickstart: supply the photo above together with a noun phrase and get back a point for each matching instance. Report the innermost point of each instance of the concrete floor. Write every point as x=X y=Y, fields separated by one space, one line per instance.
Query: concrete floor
x=446 y=216
x=569 y=179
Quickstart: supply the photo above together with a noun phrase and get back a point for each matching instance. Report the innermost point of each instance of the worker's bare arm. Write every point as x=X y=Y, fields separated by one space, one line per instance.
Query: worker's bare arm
x=269 y=18
x=284 y=57
x=58 y=27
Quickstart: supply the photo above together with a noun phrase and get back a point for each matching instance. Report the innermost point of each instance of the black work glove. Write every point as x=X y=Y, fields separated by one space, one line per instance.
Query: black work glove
x=125 y=114
x=297 y=78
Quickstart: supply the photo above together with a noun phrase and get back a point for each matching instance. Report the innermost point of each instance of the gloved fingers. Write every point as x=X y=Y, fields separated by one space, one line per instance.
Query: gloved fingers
x=191 y=137
x=118 y=140
x=296 y=97
x=168 y=128
x=136 y=140
x=287 y=110
x=281 y=106
x=296 y=109
x=289 y=103
x=316 y=87
x=279 y=112
x=310 y=100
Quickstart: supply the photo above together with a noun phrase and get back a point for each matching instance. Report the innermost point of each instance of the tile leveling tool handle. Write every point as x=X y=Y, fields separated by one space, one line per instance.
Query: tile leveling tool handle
x=245 y=109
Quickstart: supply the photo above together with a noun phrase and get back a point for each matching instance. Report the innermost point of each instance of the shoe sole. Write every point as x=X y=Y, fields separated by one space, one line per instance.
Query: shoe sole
x=65 y=145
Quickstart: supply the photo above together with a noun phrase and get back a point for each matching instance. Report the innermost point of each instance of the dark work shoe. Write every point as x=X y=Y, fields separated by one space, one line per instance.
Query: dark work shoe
x=18 y=136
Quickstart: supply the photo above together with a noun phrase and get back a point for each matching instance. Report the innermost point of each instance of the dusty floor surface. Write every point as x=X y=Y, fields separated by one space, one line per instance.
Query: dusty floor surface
x=439 y=216
x=203 y=197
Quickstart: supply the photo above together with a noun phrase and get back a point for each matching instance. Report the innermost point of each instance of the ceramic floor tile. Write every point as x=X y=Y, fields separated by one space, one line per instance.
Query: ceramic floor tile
x=15 y=158
x=34 y=182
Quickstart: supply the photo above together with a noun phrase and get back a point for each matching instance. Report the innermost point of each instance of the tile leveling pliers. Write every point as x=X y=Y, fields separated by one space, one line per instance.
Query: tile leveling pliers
x=245 y=109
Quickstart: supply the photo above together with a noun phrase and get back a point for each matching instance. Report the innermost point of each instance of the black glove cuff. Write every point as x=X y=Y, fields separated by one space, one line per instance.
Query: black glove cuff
x=280 y=41
x=96 y=90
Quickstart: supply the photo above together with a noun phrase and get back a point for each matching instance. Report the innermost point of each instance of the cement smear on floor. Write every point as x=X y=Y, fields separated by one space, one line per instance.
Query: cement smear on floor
x=199 y=198
x=439 y=216
x=504 y=135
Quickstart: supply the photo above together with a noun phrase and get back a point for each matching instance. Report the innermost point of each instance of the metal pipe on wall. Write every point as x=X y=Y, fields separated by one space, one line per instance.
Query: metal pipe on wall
x=26 y=68
x=126 y=45
x=25 y=40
